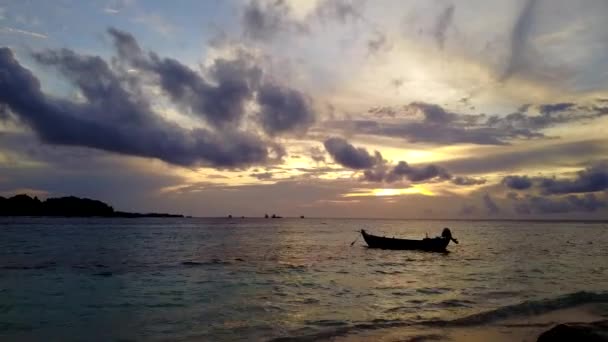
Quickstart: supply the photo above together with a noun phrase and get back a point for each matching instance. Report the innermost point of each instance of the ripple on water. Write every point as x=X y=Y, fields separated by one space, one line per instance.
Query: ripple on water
x=455 y=303
x=388 y=272
x=433 y=290
x=234 y=280
x=327 y=323
x=205 y=263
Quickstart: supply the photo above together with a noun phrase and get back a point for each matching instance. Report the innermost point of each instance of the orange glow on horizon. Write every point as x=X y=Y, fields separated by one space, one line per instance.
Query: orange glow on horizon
x=390 y=192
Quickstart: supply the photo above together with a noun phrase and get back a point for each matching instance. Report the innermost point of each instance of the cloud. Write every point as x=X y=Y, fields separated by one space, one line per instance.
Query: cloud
x=430 y=123
x=517 y=182
x=418 y=174
x=376 y=169
x=466 y=181
x=262 y=175
x=570 y=203
x=513 y=158
x=264 y=20
x=378 y=43
x=220 y=101
x=432 y=113
x=349 y=156
x=555 y=107
x=519 y=39
x=443 y=23
x=592 y=179
x=284 y=110
x=317 y=154
x=127 y=184
x=491 y=206
x=23 y=32
x=115 y=119
x=340 y=10
x=402 y=170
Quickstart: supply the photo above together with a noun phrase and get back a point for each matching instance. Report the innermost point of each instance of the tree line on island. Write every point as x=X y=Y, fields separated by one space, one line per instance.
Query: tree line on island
x=70 y=206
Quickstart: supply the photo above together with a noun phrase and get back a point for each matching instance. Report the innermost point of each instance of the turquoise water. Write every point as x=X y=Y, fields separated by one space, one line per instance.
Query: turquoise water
x=256 y=279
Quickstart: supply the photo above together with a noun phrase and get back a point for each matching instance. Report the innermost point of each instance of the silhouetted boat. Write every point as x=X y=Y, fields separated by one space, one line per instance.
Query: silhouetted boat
x=437 y=244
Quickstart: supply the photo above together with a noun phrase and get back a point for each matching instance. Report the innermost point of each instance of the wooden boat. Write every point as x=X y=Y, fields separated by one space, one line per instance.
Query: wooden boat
x=437 y=244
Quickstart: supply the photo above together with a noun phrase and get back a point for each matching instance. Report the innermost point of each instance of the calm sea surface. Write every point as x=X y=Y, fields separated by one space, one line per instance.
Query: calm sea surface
x=256 y=279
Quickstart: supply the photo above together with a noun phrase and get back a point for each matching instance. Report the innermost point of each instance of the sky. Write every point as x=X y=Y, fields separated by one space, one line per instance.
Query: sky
x=326 y=108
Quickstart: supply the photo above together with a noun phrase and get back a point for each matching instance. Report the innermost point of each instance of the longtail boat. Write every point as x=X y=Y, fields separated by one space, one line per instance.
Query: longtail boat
x=437 y=244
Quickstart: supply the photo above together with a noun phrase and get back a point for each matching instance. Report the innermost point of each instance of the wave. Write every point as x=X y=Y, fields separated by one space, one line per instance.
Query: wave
x=533 y=307
x=527 y=308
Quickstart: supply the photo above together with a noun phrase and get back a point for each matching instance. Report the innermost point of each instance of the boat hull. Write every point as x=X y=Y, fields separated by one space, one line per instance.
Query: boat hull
x=437 y=244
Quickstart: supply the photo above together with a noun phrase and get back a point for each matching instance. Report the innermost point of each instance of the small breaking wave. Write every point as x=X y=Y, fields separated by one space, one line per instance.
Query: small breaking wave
x=533 y=307
x=527 y=308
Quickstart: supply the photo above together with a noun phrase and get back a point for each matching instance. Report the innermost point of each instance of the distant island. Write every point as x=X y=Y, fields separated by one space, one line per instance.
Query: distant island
x=24 y=205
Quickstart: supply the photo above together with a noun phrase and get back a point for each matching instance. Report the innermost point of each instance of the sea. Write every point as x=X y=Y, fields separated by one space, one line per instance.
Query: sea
x=255 y=279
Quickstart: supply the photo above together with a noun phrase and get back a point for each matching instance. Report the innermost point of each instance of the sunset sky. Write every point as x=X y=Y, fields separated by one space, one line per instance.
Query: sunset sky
x=327 y=108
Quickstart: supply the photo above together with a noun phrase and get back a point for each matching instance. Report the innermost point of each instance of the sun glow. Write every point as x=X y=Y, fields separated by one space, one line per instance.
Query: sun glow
x=382 y=192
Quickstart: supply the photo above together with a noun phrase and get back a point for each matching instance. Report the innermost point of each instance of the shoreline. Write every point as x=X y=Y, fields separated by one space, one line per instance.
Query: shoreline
x=523 y=328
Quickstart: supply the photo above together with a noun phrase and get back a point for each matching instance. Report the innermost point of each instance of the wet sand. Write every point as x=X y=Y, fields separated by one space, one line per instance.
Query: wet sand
x=523 y=328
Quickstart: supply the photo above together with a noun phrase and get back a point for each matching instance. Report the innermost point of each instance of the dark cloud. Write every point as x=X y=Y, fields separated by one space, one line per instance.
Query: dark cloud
x=284 y=110
x=491 y=206
x=592 y=179
x=443 y=23
x=403 y=171
x=126 y=45
x=431 y=123
x=555 y=107
x=350 y=156
x=466 y=181
x=418 y=174
x=426 y=132
x=550 y=115
x=115 y=119
x=220 y=101
x=519 y=39
x=263 y=21
x=376 y=169
x=570 y=203
x=432 y=113
x=517 y=182
x=116 y=114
